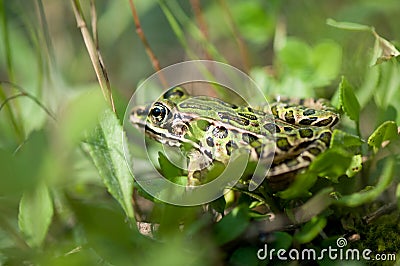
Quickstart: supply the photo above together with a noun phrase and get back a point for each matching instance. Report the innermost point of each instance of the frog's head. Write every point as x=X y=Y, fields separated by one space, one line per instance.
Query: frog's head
x=161 y=119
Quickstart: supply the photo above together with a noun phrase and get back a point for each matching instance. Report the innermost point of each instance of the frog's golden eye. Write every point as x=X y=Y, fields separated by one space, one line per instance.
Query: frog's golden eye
x=159 y=113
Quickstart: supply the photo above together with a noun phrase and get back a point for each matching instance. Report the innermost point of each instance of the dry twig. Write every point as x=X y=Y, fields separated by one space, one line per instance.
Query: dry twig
x=140 y=33
x=200 y=21
x=92 y=48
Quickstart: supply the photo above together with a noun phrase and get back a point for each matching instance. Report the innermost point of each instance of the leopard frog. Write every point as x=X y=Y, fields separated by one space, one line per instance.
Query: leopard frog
x=212 y=129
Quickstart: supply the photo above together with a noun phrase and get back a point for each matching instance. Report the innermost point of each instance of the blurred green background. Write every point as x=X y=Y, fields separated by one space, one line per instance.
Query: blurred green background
x=54 y=207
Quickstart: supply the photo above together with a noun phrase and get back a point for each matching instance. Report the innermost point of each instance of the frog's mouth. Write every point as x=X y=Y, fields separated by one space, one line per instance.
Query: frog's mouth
x=162 y=135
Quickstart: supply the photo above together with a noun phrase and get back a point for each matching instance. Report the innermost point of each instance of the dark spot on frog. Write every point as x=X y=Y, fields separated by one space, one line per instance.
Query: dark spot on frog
x=283 y=144
x=230 y=118
x=175 y=92
x=249 y=138
x=309 y=112
x=289 y=117
x=307 y=121
x=314 y=151
x=230 y=146
x=324 y=122
x=335 y=121
x=305 y=132
x=325 y=137
x=220 y=132
x=208 y=153
x=210 y=141
x=288 y=129
x=303 y=145
x=248 y=116
x=274 y=111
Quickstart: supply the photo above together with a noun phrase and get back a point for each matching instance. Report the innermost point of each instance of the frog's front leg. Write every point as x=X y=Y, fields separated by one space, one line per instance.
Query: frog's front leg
x=197 y=165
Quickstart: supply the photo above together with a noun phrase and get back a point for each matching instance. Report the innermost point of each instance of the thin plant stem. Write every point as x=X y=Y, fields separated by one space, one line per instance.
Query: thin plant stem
x=176 y=28
x=95 y=36
x=196 y=7
x=6 y=42
x=11 y=111
x=23 y=92
x=11 y=98
x=196 y=33
x=242 y=46
x=93 y=16
x=45 y=30
x=94 y=53
x=140 y=33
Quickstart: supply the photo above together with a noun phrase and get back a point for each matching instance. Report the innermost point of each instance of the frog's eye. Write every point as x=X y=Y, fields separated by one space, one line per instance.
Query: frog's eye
x=159 y=113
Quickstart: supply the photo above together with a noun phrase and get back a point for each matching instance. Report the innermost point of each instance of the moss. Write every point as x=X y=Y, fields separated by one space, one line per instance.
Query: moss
x=382 y=236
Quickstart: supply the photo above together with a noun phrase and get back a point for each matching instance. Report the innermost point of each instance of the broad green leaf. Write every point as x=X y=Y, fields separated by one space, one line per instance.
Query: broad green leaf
x=299 y=188
x=232 y=225
x=383 y=49
x=369 y=85
x=386 y=90
x=310 y=230
x=282 y=240
x=295 y=55
x=355 y=165
x=106 y=148
x=35 y=214
x=386 y=131
x=348 y=100
x=348 y=25
x=369 y=195
x=331 y=164
x=388 y=113
x=253 y=22
x=326 y=60
x=345 y=140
